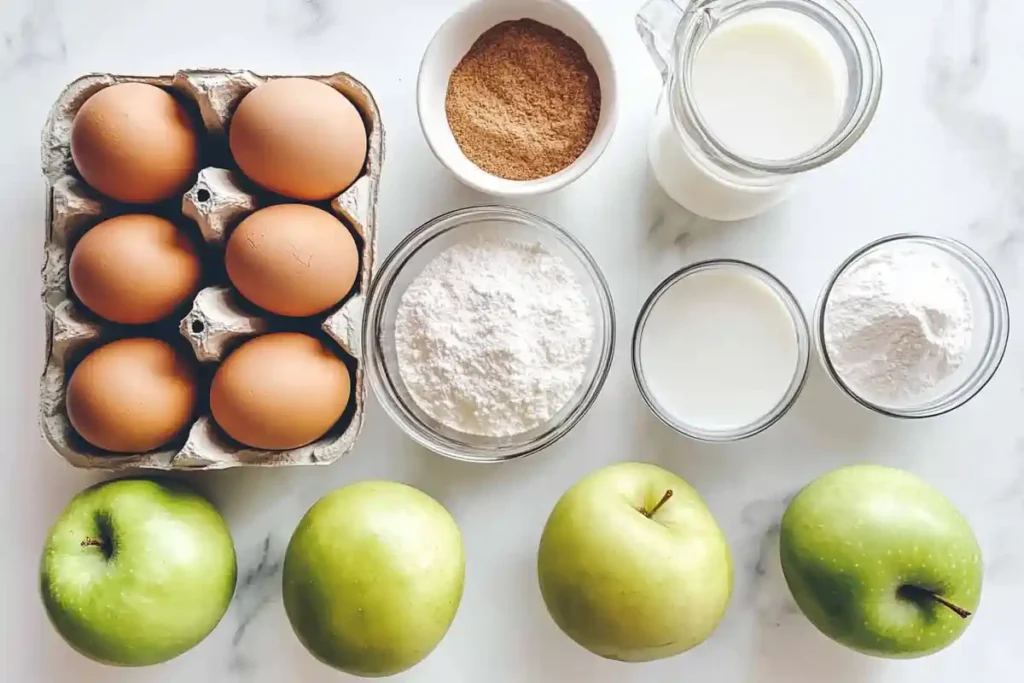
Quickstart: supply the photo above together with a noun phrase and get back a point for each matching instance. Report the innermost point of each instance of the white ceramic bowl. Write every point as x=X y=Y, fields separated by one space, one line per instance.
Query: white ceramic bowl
x=450 y=44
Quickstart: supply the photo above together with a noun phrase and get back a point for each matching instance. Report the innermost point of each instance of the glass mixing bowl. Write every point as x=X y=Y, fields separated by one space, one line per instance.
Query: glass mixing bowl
x=989 y=338
x=407 y=261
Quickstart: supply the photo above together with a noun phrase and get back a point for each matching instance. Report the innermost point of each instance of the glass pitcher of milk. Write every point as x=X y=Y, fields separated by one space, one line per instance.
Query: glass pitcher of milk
x=756 y=93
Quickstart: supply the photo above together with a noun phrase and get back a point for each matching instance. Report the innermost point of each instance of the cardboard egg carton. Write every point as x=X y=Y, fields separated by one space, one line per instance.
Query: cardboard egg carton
x=218 y=320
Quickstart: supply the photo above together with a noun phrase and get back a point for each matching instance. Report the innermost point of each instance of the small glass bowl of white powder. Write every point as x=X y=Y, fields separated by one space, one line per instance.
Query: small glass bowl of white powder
x=912 y=326
x=488 y=333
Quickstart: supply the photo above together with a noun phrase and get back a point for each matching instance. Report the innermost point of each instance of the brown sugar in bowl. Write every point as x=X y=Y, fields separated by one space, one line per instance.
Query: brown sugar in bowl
x=454 y=40
x=523 y=103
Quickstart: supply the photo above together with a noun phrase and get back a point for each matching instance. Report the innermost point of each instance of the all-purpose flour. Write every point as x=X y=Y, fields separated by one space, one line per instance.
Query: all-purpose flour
x=898 y=323
x=493 y=338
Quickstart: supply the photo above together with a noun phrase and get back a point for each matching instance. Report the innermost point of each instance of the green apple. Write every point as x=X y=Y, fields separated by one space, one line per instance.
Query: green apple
x=373 y=577
x=881 y=562
x=137 y=571
x=632 y=565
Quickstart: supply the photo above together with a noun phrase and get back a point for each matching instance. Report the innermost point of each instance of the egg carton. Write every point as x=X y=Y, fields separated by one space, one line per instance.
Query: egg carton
x=218 y=320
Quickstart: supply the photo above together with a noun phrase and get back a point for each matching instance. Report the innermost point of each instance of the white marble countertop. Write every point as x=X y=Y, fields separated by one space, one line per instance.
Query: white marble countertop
x=944 y=155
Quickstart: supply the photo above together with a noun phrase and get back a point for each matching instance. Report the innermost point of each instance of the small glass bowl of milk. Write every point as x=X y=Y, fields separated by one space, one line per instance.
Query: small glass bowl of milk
x=721 y=350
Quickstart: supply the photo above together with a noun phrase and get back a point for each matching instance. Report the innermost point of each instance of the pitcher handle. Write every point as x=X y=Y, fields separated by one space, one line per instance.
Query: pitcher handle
x=656 y=22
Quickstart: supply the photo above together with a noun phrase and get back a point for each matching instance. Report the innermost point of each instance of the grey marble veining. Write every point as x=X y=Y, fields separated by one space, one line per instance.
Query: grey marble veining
x=305 y=18
x=761 y=566
x=960 y=59
x=35 y=37
x=259 y=583
x=1004 y=512
x=945 y=154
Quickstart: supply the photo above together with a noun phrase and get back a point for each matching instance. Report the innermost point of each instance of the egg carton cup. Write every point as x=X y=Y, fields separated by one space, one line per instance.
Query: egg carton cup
x=217 y=321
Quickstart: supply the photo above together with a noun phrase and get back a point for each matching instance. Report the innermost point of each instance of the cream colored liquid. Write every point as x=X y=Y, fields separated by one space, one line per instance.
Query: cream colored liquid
x=770 y=85
x=766 y=86
x=719 y=350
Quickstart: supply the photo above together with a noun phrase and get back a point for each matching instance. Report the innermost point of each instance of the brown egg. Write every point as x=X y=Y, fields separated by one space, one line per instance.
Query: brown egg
x=280 y=391
x=298 y=137
x=134 y=269
x=131 y=395
x=135 y=142
x=292 y=259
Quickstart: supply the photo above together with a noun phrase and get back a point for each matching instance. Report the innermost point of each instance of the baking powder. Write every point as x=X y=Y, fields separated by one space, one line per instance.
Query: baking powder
x=898 y=323
x=493 y=338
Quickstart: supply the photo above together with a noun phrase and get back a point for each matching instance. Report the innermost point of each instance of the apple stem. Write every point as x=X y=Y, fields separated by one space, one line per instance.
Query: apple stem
x=959 y=611
x=664 y=499
x=917 y=592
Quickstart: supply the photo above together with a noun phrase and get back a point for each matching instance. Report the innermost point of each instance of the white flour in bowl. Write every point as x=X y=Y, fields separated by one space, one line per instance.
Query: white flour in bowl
x=898 y=322
x=493 y=338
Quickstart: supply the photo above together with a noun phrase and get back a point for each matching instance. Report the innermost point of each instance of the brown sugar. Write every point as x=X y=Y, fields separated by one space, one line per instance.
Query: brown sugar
x=524 y=101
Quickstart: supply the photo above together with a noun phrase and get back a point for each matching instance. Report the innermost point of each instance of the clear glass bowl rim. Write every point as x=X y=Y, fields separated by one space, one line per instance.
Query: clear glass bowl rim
x=390 y=269
x=1000 y=310
x=800 y=373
